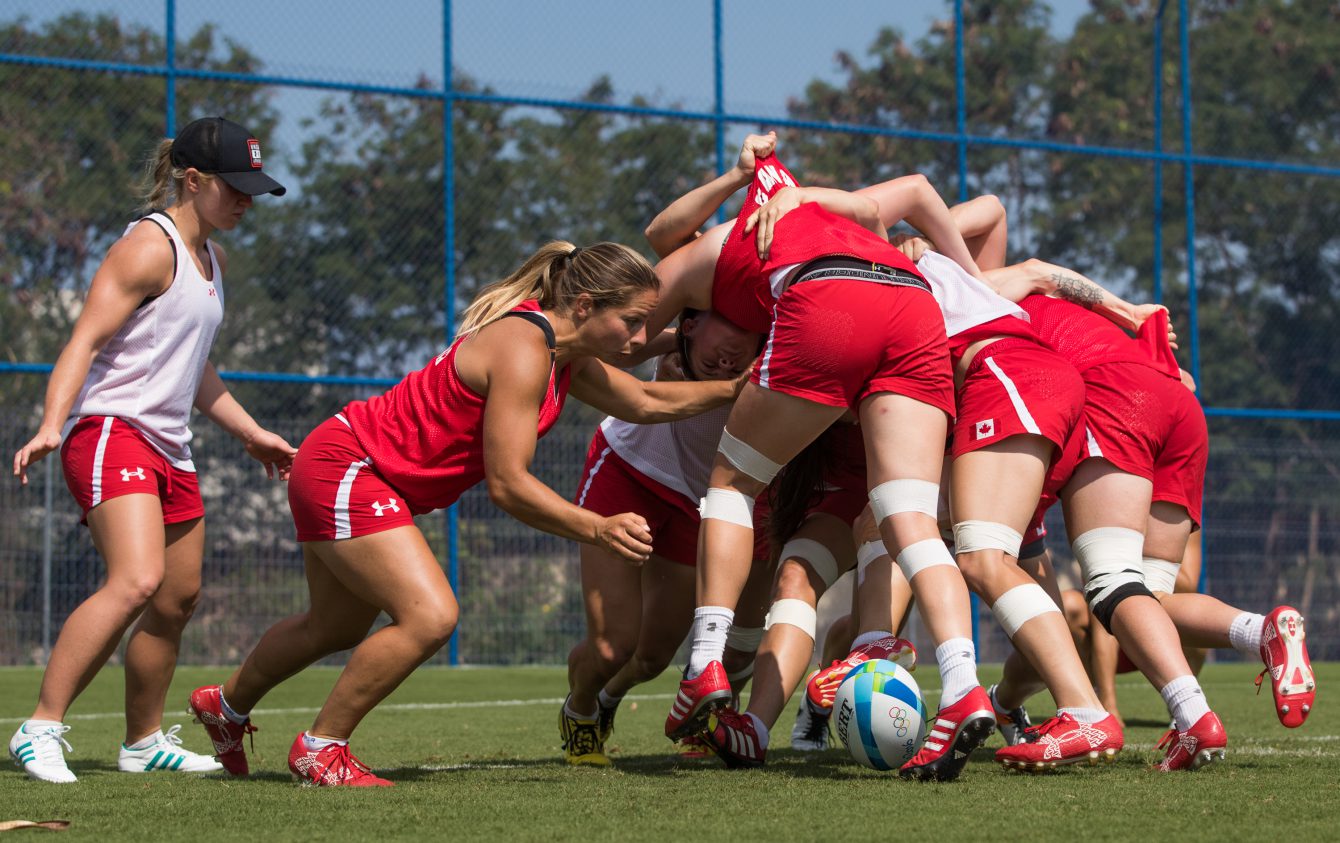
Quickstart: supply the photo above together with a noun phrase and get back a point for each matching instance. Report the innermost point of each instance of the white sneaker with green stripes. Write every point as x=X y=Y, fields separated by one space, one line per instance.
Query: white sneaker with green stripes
x=37 y=748
x=165 y=753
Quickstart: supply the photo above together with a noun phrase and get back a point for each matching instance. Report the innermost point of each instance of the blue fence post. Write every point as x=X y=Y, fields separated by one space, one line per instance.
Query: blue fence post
x=1158 y=148
x=718 y=97
x=449 y=292
x=1189 y=188
x=170 y=39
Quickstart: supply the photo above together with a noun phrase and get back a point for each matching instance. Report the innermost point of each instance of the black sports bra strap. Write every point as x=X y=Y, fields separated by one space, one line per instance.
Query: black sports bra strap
x=150 y=218
x=536 y=318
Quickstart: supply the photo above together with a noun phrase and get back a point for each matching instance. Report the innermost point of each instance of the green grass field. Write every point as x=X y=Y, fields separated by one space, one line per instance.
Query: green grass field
x=475 y=753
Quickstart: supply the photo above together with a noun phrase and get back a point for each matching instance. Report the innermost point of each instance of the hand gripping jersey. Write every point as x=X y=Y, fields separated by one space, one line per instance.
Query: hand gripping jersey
x=745 y=289
x=149 y=372
x=425 y=435
x=1085 y=338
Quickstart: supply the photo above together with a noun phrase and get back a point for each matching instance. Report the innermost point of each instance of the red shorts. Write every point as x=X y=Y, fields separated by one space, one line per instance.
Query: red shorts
x=843 y=504
x=1148 y=424
x=335 y=493
x=834 y=342
x=104 y=458
x=611 y=486
x=1017 y=386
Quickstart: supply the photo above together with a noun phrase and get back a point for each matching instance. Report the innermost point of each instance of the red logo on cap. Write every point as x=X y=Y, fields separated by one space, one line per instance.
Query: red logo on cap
x=254 y=147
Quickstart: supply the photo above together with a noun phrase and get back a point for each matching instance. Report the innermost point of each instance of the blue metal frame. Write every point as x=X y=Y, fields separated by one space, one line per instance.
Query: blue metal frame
x=720 y=119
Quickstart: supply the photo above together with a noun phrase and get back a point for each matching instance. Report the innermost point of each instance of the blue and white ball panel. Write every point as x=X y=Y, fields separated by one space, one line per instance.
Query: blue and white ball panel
x=881 y=716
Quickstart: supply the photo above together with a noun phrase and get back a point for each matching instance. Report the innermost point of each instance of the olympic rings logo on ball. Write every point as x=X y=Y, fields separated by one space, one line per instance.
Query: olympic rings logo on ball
x=899 y=718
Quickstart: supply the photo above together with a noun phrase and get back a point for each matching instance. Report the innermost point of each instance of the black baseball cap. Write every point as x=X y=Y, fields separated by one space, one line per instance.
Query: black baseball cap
x=219 y=146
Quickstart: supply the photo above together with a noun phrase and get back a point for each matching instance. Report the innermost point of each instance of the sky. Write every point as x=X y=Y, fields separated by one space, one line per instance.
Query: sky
x=543 y=48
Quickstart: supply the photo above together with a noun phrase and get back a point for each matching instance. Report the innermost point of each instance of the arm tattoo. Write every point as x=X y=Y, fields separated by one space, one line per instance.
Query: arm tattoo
x=1077 y=290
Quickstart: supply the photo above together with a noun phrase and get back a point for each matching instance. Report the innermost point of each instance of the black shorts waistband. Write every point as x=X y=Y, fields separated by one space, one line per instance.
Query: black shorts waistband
x=845 y=267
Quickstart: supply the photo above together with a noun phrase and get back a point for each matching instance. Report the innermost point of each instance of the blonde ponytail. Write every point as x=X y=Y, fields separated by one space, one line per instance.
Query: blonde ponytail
x=160 y=184
x=610 y=273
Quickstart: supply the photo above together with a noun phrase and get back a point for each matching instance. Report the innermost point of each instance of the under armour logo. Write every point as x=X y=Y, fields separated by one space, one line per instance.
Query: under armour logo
x=712 y=626
x=379 y=506
x=986 y=429
x=126 y=474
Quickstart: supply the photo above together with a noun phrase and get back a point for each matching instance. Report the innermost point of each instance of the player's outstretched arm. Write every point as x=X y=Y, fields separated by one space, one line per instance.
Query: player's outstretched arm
x=619 y=394
x=1019 y=280
x=517 y=382
x=678 y=224
x=914 y=199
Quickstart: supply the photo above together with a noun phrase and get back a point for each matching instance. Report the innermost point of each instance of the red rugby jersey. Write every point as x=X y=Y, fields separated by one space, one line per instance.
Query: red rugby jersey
x=1083 y=337
x=742 y=287
x=425 y=435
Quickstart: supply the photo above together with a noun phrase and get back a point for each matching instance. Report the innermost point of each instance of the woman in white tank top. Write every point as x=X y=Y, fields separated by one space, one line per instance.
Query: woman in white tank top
x=119 y=400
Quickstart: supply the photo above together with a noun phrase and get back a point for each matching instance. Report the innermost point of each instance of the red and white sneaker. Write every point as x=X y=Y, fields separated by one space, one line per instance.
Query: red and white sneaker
x=823 y=685
x=331 y=766
x=696 y=699
x=735 y=740
x=956 y=732
x=206 y=707
x=1202 y=744
x=1065 y=740
x=1284 y=651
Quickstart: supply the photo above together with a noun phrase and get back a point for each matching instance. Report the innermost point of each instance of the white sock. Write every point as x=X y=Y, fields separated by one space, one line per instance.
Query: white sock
x=228 y=712
x=606 y=701
x=958 y=669
x=1186 y=701
x=1245 y=633
x=869 y=638
x=1084 y=715
x=145 y=743
x=759 y=729
x=577 y=715
x=710 y=626
x=40 y=724
x=314 y=744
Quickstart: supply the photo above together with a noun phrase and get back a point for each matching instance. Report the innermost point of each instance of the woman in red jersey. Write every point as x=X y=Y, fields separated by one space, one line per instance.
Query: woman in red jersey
x=473 y=413
x=118 y=405
x=851 y=326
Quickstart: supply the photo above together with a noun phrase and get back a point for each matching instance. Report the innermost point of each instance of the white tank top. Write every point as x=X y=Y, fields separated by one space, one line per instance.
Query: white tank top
x=148 y=374
x=676 y=454
x=965 y=301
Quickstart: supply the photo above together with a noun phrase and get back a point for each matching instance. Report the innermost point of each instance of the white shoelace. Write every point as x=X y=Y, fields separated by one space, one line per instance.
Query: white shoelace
x=47 y=742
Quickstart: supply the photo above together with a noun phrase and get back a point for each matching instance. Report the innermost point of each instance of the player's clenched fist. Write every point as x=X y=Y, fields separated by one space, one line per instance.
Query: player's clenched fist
x=628 y=535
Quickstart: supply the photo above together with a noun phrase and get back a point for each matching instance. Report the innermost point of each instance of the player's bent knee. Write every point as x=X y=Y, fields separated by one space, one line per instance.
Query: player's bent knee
x=973 y=536
x=1020 y=605
x=1109 y=560
x=924 y=555
x=1160 y=575
x=897 y=496
x=818 y=557
x=1104 y=604
x=746 y=459
x=727 y=505
x=796 y=613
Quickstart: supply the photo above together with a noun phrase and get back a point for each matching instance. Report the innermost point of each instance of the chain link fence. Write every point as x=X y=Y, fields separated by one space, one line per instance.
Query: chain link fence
x=1206 y=177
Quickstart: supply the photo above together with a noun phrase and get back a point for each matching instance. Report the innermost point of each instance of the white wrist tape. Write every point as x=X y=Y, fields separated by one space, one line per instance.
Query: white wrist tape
x=746 y=459
x=986 y=535
x=1160 y=574
x=1020 y=605
x=797 y=613
x=904 y=496
x=728 y=505
x=924 y=554
x=819 y=558
x=744 y=638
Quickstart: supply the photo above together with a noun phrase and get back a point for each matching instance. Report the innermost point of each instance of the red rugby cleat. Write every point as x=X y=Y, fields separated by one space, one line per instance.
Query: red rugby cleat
x=1202 y=744
x=331 y=766
x=954 y=734
x=823 y=685
x=1064 y=740
x=696 y=699
x=206 y=707
x=1284 y=651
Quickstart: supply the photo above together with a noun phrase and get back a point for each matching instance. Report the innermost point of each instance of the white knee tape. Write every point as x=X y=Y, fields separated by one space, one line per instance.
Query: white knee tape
x=728 y=505
x=746 y=459
x=986 y=535
x=917 y=557
x=797 y=613
x=820 y=558
x=744 y=638
x=1020 y=605
x=904 y=496
x=868 y=552
x=1160 y=574
x=1108 y=557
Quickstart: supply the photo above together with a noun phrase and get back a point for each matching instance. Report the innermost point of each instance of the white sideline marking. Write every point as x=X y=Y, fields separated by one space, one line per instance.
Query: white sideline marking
x=104 y=715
